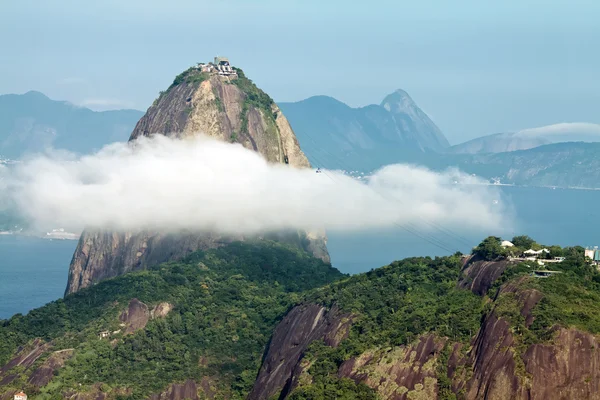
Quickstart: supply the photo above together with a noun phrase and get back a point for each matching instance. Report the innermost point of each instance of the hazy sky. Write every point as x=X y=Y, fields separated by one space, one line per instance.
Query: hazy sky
x=476 y=67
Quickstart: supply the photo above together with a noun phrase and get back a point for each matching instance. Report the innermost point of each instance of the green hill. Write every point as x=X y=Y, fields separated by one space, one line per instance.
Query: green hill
x=261 y=320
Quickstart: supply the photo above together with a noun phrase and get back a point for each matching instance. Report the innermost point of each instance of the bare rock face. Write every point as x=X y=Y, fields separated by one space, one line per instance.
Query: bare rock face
x=43 y=374
x=216 y=106
x=161 y=310
x=25 y=356
x=404 y=372
x=188 y=390
x=494 y=366
x=567 y=369
x=135 y=317
x=298 y=329
x=479 y=275
x=105 y=254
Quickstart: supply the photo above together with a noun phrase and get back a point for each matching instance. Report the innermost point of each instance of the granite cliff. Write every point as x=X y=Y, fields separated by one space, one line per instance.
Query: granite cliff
x=226 y=107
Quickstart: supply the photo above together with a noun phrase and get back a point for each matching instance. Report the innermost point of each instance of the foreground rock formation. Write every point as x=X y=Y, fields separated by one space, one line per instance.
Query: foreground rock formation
x=222 y=107
x=496 y=365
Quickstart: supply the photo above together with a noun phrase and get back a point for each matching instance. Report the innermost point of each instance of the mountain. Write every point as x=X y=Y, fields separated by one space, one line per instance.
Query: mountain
x=261 y=320
x=566 y=165
x=530 y=138
x=335 y=135
x=227 y=107
x=31 y=122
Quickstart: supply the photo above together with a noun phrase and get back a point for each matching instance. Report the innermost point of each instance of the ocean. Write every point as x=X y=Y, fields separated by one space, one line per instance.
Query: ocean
x=34 y=271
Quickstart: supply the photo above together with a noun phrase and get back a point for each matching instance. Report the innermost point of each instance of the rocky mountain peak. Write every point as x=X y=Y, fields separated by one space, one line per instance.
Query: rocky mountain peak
x=399 y=102
x=411 y=119
x=216 y=100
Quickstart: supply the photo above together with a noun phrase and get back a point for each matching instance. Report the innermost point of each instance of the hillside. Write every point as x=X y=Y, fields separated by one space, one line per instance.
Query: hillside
x=561 y=164
x=226 y=107
x=262 y=320
x=363 y=138
x=209 y=315
x=31 y=122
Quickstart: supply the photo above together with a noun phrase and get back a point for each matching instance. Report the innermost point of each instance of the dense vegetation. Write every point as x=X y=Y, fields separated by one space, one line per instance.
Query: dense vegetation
x=190 y=75
x=227 y=303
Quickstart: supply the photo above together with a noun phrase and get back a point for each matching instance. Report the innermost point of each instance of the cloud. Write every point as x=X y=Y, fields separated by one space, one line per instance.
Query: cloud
x=101 y=103
x=203 y=184
x=573 y=129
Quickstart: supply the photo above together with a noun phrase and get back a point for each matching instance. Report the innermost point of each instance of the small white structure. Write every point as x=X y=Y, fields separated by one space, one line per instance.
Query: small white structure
x=104 y=334
x=20 y=396
x=589 y=253
x=532 y=252
x=506 y=243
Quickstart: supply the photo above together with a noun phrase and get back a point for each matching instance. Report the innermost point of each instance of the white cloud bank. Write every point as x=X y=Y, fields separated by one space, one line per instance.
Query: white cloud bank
x=563 y=131
x=203 y=184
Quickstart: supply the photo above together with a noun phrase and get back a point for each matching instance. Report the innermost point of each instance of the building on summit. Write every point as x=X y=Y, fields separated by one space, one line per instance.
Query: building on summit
x=220 y=66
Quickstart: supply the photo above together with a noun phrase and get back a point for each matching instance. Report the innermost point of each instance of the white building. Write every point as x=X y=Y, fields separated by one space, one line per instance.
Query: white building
x=535 y=253
x=506 y=243
x=589 y=253
x=20 y=396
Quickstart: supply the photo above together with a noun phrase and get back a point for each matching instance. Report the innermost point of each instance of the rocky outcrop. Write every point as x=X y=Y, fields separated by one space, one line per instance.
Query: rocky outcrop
x=188 y=390
x=400 y=373
x=135 y=317
x=493 y=361
x=42 y=375
x=566 y=369
x=105 y=254
x=479 y=275
x=196 y=103
x=161 y=310
x=299 y=328
x=25 y=357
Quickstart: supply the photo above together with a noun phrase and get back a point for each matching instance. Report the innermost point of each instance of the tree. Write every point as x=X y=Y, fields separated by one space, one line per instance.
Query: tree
x=555 y=251
x=523 y=241
x=490 y=249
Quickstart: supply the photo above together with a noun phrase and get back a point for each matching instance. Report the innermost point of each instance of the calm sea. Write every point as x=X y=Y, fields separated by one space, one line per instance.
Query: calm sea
x=34 y=271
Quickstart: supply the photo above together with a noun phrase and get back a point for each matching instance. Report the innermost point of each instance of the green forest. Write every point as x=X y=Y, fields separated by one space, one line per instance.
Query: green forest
x=227 y=302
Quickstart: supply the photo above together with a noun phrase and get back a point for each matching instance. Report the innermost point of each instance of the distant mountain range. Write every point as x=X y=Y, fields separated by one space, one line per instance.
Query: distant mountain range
x=32 y=122
x=570 y=164
x=336 y=136
x=363 y=138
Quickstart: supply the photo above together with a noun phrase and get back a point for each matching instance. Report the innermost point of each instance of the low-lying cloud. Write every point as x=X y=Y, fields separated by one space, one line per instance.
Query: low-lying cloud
x=203 y=184
x=575 y=131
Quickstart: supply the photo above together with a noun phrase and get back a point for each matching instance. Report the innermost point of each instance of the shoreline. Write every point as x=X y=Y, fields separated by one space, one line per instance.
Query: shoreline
x=65 y=236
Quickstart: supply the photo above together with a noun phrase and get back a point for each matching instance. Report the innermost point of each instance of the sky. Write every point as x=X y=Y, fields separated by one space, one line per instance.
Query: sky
x=475 y=67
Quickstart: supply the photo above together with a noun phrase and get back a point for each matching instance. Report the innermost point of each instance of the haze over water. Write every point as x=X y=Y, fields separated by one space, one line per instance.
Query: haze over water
x=34 y=271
